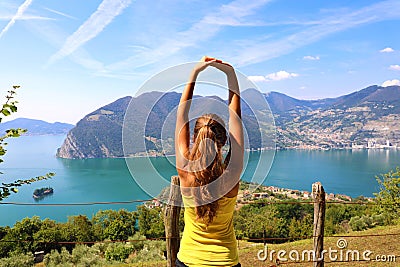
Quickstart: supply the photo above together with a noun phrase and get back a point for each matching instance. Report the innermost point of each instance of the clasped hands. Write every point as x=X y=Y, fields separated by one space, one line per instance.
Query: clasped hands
x=210 y=61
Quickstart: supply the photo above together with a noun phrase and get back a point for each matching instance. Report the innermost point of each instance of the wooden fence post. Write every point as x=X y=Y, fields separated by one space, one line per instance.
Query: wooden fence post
x=318 y=194
x=171 y=221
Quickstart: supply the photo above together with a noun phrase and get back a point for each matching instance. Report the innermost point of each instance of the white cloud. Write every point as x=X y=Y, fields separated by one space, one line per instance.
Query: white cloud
x=391 y=83
x=104 y=15
x=280 y=75
x=257 y=78
x=276 y=76
x=21 y=9
x=387 y=50
x=394 y=67
x=311 y=58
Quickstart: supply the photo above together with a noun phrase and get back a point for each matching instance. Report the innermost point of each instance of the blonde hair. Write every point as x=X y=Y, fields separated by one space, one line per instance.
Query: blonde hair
x=206 y=163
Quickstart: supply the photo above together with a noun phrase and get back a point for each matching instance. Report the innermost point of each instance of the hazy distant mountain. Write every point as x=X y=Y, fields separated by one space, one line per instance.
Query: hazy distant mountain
x=369 y=114
x=281 y=103
x=37 y=127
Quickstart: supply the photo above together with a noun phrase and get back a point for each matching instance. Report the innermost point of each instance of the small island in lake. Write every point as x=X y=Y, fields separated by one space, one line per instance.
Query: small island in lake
x=42 y=192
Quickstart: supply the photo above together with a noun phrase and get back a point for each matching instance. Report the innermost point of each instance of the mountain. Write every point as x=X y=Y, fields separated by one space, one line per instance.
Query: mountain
x=368 y=115
x=98 y=134
x=371 y=115
x=36 y=127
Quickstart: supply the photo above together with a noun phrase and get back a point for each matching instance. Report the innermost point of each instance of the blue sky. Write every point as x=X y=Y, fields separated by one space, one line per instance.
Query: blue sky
x=71 y=57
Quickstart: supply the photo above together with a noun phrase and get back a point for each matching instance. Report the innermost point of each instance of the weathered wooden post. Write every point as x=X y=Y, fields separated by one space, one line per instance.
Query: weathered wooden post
x=318 y=194
x=171 y=221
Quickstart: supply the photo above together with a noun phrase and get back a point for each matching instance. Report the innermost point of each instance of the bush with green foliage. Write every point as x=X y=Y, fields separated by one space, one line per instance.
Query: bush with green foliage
x=118 y=251
x=56 y=258
x=365 y=222
x=137 y=242
x=82 y=256
x=152 y=251
x=17 y=260
x=388 y=198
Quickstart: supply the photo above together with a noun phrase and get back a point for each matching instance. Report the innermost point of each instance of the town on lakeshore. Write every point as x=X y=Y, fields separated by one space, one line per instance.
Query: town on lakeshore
x=266 y=193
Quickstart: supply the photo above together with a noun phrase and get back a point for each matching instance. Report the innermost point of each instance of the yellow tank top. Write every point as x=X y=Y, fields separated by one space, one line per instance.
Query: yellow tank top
x=214 y=245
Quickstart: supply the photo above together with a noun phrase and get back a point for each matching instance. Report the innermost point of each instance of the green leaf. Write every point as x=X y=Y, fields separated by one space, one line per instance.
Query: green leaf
x=5 y=112
x=13 y=108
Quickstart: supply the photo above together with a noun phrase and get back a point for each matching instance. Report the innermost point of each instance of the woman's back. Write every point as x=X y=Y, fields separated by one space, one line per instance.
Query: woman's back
x=200 y=242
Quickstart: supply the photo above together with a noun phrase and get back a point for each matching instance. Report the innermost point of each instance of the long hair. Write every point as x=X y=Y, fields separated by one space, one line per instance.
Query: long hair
x=206 y=163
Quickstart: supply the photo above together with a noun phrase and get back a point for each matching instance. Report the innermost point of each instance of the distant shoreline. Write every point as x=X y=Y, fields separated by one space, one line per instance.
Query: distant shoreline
x=247 y=150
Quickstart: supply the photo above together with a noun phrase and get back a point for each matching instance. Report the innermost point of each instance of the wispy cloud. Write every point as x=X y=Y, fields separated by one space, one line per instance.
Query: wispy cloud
x=201 y=31
x=260 y=52
x=391 y=83
x=25 y=17
x=311 y=58
x=60 y=13
x=387 y=50
x=276 y=76
x=21 y=9
x=104 y=15
x=394 y=67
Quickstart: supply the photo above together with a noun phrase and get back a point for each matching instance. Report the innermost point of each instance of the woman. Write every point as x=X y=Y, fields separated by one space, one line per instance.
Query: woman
x=209 y=185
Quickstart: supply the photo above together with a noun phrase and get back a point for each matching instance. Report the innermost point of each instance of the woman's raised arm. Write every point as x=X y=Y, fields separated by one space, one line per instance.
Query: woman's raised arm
x=235 y=167
x=182 y=131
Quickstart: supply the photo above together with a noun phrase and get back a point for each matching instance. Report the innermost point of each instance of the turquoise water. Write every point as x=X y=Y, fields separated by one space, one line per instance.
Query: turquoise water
x=96 y=180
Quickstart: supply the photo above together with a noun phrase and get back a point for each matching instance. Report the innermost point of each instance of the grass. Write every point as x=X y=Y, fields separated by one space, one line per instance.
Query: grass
x=378 y=245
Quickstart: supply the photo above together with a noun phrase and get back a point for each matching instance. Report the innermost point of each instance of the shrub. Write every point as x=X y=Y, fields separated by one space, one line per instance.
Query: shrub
x=17 y=260
x=152 y=251
x=82 y=256
x=137 y=245
x=118 y=251
x=358 y=223
x=56 y=258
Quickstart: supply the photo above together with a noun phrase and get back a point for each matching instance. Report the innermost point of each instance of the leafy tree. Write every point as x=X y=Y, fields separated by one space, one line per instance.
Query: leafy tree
x=338 y=216
x=48 y=235
x=81 y=229
x=3 y=231
x=7 y=109
x=114 y=225
x=21 y=237
x=388 y=197
x=151 y=223
x=299 y=229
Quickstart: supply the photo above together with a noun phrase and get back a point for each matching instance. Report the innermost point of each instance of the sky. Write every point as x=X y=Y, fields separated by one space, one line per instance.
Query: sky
x=72 y=57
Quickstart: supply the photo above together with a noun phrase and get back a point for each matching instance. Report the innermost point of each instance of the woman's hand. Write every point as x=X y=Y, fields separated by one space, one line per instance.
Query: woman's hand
x=222 y=66
x=204 y=63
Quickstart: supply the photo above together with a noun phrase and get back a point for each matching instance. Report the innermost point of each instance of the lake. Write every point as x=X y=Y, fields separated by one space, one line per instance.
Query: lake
x=350 y=172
